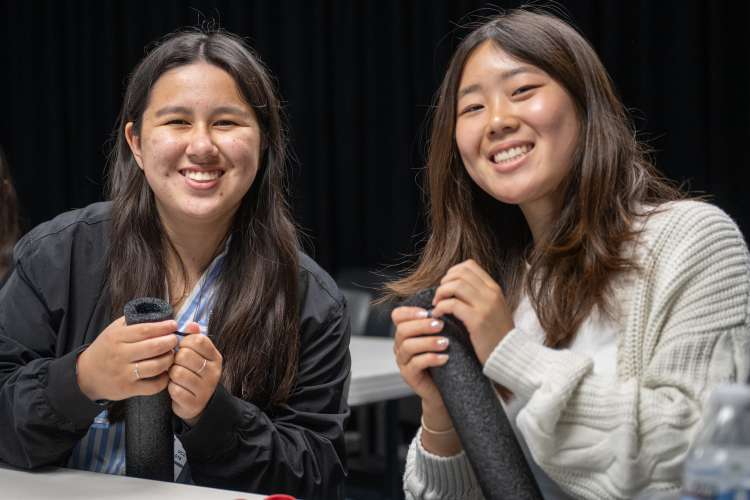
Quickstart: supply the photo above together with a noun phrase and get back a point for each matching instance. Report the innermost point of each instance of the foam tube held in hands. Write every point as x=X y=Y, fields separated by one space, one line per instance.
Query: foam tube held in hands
x=149 y=437
x=480 y=421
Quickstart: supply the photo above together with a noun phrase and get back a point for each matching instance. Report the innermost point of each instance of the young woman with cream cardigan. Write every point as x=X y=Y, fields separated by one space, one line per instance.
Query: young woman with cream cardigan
x=602 y=304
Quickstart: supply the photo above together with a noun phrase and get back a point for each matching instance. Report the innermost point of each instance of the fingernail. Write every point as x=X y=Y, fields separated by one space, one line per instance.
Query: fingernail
x=436 y=324
x=442 y=341
x=442 y=357
x=423 y=314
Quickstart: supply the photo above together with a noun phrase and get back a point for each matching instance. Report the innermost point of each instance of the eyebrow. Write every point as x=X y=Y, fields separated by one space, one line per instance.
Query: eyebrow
x=168 y=110
x=505 y=75
x=221 y=110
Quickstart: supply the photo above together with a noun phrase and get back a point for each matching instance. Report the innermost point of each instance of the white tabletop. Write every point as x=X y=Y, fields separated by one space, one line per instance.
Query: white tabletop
x=375 y=375
x=71 y=484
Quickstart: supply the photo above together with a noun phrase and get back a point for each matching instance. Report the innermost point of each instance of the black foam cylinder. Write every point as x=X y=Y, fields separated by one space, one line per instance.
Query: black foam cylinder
x=149 y=437
x=480 y=421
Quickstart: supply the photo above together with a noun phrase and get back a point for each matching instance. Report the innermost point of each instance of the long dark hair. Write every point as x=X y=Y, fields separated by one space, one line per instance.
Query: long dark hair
x=9 y=227
x=611 y=180
x=255 y=315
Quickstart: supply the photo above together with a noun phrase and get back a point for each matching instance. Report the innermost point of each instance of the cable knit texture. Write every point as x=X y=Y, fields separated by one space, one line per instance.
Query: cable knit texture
x=684 y=321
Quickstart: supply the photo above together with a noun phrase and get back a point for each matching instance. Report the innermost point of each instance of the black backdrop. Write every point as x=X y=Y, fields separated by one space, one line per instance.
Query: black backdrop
x=357 y=78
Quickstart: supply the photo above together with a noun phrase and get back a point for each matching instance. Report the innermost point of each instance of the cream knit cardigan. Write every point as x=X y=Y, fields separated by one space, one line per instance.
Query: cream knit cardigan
x=685 y=327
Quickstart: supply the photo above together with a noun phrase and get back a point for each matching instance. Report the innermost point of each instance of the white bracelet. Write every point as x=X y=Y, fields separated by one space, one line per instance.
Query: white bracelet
x=432 y=431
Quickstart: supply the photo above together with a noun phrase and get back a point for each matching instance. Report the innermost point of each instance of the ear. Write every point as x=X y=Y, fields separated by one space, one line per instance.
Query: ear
x=134 y=141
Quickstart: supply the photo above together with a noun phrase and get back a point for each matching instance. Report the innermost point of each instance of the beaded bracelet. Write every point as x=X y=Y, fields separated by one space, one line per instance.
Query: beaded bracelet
x=436 y=433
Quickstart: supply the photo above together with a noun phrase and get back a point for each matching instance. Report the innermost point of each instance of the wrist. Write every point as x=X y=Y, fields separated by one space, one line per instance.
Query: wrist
x=435 y=417
x=438 y=435
x=83 y=380
x=436 y=432
x=485 y=351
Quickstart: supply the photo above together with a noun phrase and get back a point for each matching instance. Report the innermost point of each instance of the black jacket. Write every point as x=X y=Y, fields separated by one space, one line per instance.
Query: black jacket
x=54 y=303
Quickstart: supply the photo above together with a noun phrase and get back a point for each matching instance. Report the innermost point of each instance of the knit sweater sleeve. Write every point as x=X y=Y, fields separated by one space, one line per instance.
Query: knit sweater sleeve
x=432 y=477
x=686 y=331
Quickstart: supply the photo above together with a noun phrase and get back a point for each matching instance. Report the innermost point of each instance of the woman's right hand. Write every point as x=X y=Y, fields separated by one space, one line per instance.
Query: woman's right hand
x=127 y=360
x=418 y=346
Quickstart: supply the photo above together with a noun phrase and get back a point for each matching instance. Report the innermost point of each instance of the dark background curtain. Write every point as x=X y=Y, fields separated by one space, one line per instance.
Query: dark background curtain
x=357 y=79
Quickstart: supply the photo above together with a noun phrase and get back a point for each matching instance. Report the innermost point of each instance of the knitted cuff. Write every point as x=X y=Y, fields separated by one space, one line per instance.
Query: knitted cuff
x=443 y=477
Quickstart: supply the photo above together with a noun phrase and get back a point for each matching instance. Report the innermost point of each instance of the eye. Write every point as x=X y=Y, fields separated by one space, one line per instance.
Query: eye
x=177 y=121
x=470 y=108
x=523 y=89
x=225 y=123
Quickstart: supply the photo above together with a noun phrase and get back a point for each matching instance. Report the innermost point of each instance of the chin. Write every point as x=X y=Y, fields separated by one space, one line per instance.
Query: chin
x=506 y=197
x=202 y=214
x=502 y=191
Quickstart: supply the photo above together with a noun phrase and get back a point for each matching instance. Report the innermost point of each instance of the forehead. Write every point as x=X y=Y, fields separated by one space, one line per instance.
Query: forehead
x=197 y=83
x=490 y=60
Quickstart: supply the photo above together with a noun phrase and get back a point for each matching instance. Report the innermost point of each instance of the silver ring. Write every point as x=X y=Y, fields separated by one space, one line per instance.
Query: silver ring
x=137 y=373
x=202 y=367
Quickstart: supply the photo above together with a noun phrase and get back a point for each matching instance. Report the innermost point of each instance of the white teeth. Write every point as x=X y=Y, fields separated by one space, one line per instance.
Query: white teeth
x=511 y=153
x=202 y=175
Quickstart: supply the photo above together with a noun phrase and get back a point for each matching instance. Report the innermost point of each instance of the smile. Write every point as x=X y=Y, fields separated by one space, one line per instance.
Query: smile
x=511 y=154
x=201 y=175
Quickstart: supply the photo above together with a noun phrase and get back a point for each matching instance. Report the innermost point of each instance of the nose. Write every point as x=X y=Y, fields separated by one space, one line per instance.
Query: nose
x=502 y=120
x=201 y=146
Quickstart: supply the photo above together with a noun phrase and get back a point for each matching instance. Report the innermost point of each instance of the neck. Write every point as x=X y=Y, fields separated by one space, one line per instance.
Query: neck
x=539 y=216
x=195 y=246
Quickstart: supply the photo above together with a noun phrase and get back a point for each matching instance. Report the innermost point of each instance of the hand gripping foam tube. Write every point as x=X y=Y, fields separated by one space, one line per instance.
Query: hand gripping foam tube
x=480 y=421
x=149 y=437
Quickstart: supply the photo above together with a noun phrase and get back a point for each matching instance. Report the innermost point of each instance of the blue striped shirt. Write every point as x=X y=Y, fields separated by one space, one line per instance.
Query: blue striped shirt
x=102 y=449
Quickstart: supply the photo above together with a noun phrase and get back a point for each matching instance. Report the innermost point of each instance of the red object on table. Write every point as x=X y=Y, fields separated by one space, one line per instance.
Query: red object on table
x=279 y=496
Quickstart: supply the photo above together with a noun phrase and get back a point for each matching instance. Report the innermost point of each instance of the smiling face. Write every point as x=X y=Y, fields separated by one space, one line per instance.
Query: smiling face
x=516 y=130
x=198 y=146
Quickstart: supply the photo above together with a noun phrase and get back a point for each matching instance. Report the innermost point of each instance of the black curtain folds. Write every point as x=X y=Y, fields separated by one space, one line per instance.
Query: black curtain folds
x=357 y=79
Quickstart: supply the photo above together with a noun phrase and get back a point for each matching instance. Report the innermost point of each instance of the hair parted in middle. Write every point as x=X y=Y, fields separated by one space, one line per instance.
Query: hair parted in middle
x=610 y=182
x=254 y=321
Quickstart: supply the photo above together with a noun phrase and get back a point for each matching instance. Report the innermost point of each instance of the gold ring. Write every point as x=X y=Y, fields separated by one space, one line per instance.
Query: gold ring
x=202 y=366
x=137 y=373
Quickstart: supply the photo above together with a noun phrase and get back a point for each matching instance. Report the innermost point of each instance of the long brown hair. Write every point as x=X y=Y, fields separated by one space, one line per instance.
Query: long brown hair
x=571 y=269
x=255 y=314
x=9 y=227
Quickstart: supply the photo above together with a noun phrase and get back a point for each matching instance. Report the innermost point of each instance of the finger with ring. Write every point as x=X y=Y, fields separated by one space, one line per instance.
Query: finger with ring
x=202 y=366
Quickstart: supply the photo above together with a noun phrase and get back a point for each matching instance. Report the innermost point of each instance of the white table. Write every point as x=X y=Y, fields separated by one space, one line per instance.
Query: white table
x=375 y=375
x=71 y=484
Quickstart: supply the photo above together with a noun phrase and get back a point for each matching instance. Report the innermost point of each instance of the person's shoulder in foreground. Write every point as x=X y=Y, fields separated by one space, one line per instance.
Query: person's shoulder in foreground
x=89 y=220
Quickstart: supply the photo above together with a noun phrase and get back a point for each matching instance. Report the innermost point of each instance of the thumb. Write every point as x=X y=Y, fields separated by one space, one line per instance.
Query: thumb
x=192 y=328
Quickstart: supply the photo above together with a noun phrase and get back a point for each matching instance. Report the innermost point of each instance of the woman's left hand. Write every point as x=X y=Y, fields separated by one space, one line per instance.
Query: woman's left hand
x=471 y=295
x=194 y=375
